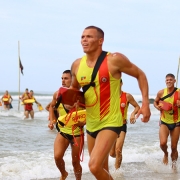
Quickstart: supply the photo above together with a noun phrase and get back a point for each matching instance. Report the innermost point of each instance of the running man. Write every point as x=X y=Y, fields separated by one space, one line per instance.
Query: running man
x=125 y=100
x=167 y=102
x=66 y=135
x=104 y=120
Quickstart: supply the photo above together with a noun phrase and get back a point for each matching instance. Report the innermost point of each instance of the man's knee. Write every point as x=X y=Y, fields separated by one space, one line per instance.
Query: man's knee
x=163 y=144
x=174 y=148
x=58 y=155
x=76 y=163
x=94 y=167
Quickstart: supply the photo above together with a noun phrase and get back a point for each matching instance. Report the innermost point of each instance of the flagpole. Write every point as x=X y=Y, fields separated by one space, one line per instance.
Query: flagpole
x=177 y=73
x=19 y=75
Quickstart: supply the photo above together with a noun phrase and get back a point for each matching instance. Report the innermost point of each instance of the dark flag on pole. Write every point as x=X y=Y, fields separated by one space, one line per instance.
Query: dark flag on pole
x=20 y=66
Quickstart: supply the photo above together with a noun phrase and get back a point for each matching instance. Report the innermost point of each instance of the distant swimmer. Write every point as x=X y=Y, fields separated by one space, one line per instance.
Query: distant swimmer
x=167 y=102
x=7 y=99
x=28 y=104
x=25 y=94
x=125 y=100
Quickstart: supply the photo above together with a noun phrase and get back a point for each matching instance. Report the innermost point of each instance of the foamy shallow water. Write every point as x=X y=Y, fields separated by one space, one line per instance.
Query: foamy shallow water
x=26 y=149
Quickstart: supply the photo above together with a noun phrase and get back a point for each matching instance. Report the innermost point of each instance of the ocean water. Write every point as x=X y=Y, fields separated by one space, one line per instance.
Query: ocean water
x=26 y=148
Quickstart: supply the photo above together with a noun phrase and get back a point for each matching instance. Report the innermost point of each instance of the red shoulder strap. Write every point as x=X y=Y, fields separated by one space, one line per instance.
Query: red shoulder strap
x=175 y=107
x=104 y=81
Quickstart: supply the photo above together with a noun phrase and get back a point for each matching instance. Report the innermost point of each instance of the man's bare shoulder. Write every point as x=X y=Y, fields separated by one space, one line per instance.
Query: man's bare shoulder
x=160 y=93
x=117 y=57
x=77 y=61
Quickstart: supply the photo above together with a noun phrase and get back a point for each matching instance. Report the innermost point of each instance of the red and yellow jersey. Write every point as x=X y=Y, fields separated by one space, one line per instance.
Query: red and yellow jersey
x=124 y=106
x=65 y=129
x=6 y=99
x=173 y=115
x=102 y=102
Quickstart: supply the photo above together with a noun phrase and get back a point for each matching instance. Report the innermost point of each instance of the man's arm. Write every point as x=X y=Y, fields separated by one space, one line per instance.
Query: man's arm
x=157 y=99
x=47 y=107
x=123 y=64
x=37 y=102
x=132 y=101
x=52 y=116
x=74 y=69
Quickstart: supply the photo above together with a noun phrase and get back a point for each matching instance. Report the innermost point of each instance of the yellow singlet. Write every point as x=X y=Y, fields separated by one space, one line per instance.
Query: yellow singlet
x=67 y=130
x=106 y=112
x=167 y=116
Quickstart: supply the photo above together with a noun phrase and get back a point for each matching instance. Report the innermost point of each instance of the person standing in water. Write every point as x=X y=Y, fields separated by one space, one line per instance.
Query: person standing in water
x=125 y=100
x=73 y=136
x=7 y=99
x=167 y=102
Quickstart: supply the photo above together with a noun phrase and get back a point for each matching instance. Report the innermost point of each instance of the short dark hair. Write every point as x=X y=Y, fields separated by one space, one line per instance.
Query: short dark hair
x=170 y=75
x=99 y=30
x=67 y=72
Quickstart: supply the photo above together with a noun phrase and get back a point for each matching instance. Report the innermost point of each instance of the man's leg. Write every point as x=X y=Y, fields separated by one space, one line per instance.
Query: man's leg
x=26 y=113
x=119 y=146
x=174 y=141
x=76 y=152
x=113 y=150
x=32 y=114
x=60 y=146
x=163 y=137
x=100 y=152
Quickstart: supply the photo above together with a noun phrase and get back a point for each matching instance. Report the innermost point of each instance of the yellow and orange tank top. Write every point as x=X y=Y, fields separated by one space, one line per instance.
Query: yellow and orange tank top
x=25 y=95
x=102 y=102
x=67 y=130
x=124 y=106
x=6 y=97
x=173 y=115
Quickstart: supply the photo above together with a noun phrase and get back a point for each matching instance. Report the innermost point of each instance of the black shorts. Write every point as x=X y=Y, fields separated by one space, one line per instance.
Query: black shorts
x=69 y=137
x=124 y=128
x=170 y=126
x=95 y=133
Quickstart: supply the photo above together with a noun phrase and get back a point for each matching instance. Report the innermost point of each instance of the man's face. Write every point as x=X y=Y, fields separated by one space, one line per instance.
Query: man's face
x=170 y=82
x=26 y=91
x=66 y=80
x=90 y=40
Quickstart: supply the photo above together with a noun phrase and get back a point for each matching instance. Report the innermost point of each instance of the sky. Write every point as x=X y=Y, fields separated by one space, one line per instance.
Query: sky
x=49 y=33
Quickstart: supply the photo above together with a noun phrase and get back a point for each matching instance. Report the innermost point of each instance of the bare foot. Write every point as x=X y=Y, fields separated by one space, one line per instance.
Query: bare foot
x=64 y=177
x=165 y=159
x=174 y=166
x=118 y=160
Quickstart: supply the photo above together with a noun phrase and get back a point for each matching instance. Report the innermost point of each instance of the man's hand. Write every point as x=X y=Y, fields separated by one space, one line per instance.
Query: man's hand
x=80 y=123
x=132 y=118
x=51 y=126
x=145 y=111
